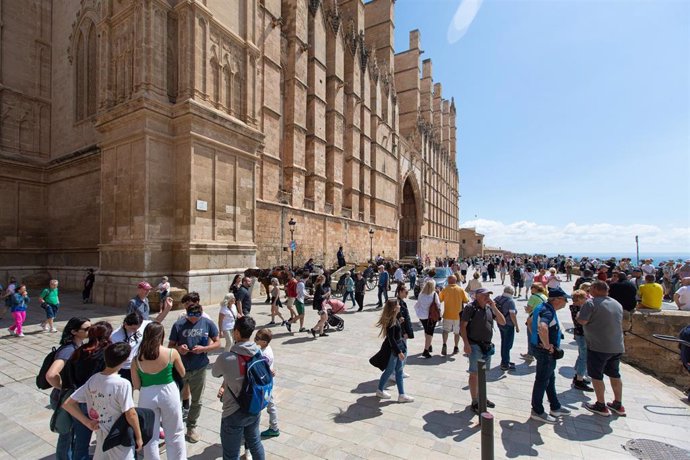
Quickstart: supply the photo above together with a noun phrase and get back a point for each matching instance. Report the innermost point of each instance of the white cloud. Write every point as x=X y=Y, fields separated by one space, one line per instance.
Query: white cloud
x=465 y=14
x=532 y=237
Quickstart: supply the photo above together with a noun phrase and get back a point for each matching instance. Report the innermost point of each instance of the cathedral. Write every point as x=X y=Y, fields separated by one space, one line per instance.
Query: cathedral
x=197 y=138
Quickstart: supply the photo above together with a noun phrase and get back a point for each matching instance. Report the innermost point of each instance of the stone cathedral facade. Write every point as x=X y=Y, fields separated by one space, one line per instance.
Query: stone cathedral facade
x=178 y=137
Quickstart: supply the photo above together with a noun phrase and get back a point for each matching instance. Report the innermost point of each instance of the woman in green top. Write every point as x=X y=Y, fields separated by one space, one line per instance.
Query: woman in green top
x=152 y=375
x=50 y=303
x=537 y=298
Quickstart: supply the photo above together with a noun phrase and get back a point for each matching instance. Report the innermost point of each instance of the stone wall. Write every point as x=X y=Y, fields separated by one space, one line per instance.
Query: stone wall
x=650 y=357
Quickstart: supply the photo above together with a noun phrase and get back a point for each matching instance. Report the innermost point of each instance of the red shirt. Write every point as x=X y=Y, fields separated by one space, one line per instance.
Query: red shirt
x=291 y=288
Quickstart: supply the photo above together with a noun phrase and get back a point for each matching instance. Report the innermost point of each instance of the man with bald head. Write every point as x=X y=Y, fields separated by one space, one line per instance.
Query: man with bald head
x=453 y=298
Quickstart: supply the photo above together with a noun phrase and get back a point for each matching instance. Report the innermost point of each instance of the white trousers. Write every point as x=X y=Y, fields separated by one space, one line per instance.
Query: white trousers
x=164 y=400
x=229 y=342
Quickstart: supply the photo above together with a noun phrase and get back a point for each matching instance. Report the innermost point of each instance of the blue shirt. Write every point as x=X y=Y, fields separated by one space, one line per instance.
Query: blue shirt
x=184 y=332
x=142 y=306
x=546 y=314
x=383 y=279
x=19 y=303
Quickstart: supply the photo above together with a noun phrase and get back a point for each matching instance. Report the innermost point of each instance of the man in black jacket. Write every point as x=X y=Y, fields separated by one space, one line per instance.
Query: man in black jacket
x=623 y=290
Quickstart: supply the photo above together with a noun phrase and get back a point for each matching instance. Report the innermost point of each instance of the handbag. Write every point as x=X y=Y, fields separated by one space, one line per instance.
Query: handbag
x=434 y=311
x=61 y=420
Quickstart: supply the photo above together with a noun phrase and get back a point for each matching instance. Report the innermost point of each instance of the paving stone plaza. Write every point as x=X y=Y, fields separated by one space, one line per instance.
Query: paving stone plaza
x=327 y=407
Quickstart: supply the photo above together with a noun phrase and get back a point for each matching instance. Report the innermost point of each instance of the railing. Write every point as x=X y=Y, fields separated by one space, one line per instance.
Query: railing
x=346 y=212
x=309 y=204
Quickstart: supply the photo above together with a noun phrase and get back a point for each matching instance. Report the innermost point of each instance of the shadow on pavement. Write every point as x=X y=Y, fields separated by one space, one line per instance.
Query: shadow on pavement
x=517 y=438
x=443 y=424
x=364 y=408
x=212 y=451
x=580 y=427
x=670 y=410
x=306 y=338
x=366 y=387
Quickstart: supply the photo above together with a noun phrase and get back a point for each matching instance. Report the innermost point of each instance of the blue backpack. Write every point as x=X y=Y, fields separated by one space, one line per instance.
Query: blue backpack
x=257 y=386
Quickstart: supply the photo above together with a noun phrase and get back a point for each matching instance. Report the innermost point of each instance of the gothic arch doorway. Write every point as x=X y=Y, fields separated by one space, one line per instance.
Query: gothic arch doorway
x=409 y=221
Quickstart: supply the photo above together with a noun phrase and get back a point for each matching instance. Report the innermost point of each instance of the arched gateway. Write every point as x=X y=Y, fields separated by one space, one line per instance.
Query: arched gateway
x=409 y=221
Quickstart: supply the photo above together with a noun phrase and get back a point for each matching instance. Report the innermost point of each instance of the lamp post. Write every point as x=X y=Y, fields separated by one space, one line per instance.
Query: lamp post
x=371 y=244
x=292 y=225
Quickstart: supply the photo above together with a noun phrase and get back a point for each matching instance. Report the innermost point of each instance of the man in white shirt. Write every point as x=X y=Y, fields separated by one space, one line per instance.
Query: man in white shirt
x=399 y=275
x=131 y=332
x=648 y=268
x=682 y=295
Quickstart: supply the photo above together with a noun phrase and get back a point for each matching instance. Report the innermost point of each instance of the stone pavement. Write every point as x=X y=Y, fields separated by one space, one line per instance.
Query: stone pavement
x=327 y=407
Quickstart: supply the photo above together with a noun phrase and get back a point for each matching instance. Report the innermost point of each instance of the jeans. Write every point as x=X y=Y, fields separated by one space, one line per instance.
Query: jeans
x=395 y=364
x=236 y=426
x=581 y=362
x=65 y=442
x=197 y=381
x=544 y=381
x=82 y=438
x=507 y=339
x=383 y=290
x=413 y=281
x=351 y=295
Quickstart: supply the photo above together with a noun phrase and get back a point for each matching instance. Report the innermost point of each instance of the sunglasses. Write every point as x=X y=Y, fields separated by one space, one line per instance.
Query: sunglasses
x=194 y=314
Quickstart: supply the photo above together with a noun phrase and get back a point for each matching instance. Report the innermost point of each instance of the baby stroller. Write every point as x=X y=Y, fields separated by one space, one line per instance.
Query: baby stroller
x=334 y=306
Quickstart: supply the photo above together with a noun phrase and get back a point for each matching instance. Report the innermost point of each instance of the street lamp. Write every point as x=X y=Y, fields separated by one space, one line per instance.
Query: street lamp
x=292 y=225
x=371 y=244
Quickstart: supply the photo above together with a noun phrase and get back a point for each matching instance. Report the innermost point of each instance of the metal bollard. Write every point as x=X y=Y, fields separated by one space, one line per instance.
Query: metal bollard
x=487 y=421
x=481 y=375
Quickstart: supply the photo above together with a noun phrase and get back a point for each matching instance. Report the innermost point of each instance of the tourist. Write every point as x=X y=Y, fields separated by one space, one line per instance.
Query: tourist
x=89 y=281
x=651 y=294
x=194 y=337
x=545 y=338
x=321 y=294
x=579 y=380
x=263 y=340
x=140 y=302
x=360 y=288
x=85 y=362
x=163 y=290
x=300 y=299
x=19 y=305
x=50 y=303
x=603 y=272
x=237 y=424
x=476 y=328
x=602 y=319
x=453 y=298
x=464 y=266
x=7 y=296
x=399 y=275
x=648 y=269
x=623 y=290
x=585 y=278
x=506 y=305
x=541 y=277
x=474 y=284
x=491 y=270
x=392 y=332
x=412 y=276
x=73 y=335
x=503 y=270
x=518 y=281
x=152 y=375
x=107 y=396
x=684 y=270
x=537 y=297
x=554 y=281
x=682 y=295
x=384 y=285
x=426 y=297
x=235 y=285
x=341 y=257
x=276 y=304
x=484 y=271
x=309 y=266
x=291 y=294
x=243 y=297
x=226 y=319
x=405 y=321
x=131 y=333
x=349 y=284
x=669 y=271
x=569 y=269
x=528 y=276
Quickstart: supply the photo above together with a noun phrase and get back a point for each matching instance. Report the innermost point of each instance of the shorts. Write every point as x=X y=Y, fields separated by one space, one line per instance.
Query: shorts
x=429 y=326
x=463 y=272
x=519 y=284
x=299 y=306
x=290 y=302
x=163 y=295
x=475 y=355
x=51 y=310
x=451 y=325
x=600 y=364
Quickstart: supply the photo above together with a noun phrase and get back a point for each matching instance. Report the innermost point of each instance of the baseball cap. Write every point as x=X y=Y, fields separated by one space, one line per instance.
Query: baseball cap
x=483 y=291
x=144 y=285
x=557 y=292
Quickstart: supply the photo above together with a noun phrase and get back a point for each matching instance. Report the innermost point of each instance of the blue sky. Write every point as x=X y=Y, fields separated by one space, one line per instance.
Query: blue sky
x=574 y=118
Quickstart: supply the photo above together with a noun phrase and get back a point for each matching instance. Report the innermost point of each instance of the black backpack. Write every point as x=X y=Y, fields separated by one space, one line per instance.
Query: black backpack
x=41 y=381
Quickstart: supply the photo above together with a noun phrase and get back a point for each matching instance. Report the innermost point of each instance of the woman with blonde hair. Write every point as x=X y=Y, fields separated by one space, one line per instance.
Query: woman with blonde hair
x=426 y=298
x=390 y=329
x=226 y=319
x=276 y=304
x=152 y=375
x=554 y=280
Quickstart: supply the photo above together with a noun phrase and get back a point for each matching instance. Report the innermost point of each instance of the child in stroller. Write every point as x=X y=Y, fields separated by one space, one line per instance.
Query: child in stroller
x=334 y=306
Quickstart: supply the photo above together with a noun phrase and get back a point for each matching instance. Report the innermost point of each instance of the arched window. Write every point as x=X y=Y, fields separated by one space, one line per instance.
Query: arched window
x=236 y=108
x=86 y=66
x=215 y=81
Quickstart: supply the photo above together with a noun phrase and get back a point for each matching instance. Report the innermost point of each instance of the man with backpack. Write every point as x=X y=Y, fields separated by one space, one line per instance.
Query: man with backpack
x=247 y=382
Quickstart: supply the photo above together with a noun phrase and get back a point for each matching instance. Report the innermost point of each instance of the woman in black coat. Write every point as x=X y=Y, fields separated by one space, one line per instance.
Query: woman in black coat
x=404 y=319
x=390 y=327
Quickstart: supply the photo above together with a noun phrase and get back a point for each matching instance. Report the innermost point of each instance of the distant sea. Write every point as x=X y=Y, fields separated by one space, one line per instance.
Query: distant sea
x=655 y=256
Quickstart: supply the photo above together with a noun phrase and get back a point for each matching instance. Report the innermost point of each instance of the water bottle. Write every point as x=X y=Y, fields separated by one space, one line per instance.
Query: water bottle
x=203 y=341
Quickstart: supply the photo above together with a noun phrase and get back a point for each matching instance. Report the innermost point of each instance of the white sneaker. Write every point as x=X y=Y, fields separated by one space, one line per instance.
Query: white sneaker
x=383 y=394
x=20 y=335
x=53 y=330
x=11 y=331
x=406 y=375
x=405 y=399
x=392 y=378
x=247 y=455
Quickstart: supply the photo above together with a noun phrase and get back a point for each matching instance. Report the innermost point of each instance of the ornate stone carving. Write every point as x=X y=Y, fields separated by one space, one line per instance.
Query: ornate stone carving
x=334 y=17
x=314 y=6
